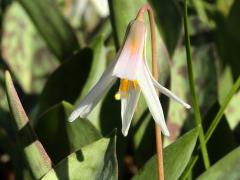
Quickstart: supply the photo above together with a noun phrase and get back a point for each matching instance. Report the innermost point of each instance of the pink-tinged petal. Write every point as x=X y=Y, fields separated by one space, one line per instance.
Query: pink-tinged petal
x=128 y=106
x=97 y=92
x=152 y=99
x=132 y=51
x=165 y=91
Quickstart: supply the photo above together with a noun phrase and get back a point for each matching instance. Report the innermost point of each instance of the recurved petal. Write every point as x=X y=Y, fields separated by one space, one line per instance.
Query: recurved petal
x=96 y=93
x=152 y=98
x=128 y=106
x=165 y=91
x=170 y=94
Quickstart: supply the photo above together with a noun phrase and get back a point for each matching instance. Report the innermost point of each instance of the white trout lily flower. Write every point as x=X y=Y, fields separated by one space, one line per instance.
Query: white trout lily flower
x=131 y=67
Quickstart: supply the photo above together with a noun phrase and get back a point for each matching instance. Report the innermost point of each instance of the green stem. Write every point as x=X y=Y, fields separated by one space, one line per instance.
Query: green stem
x=192 y=88
x=213 y=125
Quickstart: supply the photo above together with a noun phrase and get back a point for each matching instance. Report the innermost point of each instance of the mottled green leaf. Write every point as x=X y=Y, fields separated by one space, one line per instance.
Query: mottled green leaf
x=225 y=82
x=205 y=84
x=232 y=113
x=228 y=38
x=224 y=105
x=201 y=11
x=51 y=24
x=176 y=156
x=61 y=137
x=226 y=168
x=37 y=158
x=228 y=41
x=24 y=50
x=95 y=161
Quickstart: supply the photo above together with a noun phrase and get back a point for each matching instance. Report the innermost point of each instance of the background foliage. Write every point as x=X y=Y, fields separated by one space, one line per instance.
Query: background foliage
x=56 y=50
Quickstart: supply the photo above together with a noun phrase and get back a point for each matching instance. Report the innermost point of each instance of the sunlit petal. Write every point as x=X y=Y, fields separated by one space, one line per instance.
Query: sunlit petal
x=97 y=92
x=166 y=91
x=170 y=94
x=128 y=106
x=131 y=52
x=152 y=98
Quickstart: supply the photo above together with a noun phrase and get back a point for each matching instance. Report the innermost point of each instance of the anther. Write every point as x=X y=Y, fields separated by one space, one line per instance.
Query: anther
x=117 y=96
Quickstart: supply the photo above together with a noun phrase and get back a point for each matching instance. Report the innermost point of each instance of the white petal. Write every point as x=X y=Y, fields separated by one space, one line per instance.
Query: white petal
x=97 y=92
x=128 y=106
x=166 y=91
x=131 y=52
x=170 y=94
x=152 y=99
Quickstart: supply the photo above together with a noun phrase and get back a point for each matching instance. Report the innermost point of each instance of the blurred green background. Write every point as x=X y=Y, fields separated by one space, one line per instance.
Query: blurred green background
x=56 y=50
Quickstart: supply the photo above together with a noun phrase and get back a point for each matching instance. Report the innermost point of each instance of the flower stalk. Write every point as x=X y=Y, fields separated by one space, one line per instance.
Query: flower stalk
x=159 y=148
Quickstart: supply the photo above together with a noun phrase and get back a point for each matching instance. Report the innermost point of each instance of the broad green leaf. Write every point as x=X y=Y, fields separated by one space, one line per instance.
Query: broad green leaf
x=24 y=50
x=176 y=156
x=61 y=137
x=51 y=24
x=226 y=168
x=36 y=156
x=95 y=161
x=66 y=83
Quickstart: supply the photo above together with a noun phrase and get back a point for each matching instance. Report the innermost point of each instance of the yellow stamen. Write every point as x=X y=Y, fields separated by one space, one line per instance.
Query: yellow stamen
x=124 y=85
x=134 y=84
x=124 y=88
